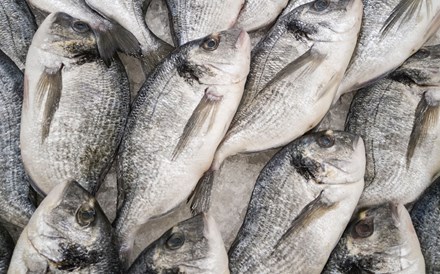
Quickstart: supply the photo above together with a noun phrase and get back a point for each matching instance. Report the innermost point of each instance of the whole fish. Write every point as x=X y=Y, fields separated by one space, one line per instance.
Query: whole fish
x=129 y=14
x=17 y=27
x=74 y=109
x=6 y=249
x=425 y=215
x=15 y=206
x=194 y=19
x=301 y=204
x=180 y=116
x=256 y=14
x=398 y=119
x=391 y=32
x=69 y=233
x=110 y=36
x=296 y=70
x=192 y=246
x=379 y=240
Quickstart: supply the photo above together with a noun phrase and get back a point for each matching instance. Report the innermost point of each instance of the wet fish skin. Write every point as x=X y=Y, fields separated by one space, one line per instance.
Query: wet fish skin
x=182 y=112
x=256 y=14
x=398 y=119
x=6 y=249
x=74 y=109
x=310 y=186
x=191 y=246
x=129 y=14
x=68 y=232
x=425 y=217
x=194 y=19
x=391 y=32
x=110 y=36
x=380 y=239
x=17 y=27
x=15 y=206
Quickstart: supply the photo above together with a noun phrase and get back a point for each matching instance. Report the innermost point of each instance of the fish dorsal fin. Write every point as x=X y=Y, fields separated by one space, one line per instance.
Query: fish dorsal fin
x=403 y=12
x=207 y=108
x=48 y=96
x=426 y=117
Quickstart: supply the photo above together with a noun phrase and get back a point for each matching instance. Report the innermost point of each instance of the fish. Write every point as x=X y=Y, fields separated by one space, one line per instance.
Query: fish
x=110 y=36
x=191 y=246
x=425 y=215
x=17 y=27
x=69 y=233
x=129 y=14
x=398 y=119
x=391 y=32
x=301 y=203
x=295 y=72
x=380 y=239
x=75 y=107
x=16 y=204
x=6 y=249
x=194 y=19
x=257 y=14
x=178 y=119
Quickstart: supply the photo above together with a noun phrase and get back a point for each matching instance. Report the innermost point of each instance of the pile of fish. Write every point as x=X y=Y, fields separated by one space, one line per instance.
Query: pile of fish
x=164 y=91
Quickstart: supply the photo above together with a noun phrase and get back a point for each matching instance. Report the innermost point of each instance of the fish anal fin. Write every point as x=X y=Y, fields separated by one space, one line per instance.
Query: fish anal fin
x=201 y=195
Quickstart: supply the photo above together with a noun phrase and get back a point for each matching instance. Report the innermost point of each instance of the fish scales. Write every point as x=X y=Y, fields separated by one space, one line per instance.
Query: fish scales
x=257 y=14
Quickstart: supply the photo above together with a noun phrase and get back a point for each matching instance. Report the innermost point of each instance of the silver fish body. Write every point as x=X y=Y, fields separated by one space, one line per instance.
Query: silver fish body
x=194 y=19
x=69 y=233
x=391 y=32
x=301 y=203
x=6 y=249
x=398 y=119
x=193 y=246
x=75 y=107
x=15 y=205
x=257 y=14
x=17 y=27
x=378 y=240
x=180 y=116
x=129 y=14
x=110 y=36
x=425 y=216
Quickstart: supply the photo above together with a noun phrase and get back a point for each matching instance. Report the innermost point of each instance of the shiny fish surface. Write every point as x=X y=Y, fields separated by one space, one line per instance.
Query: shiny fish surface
x=256 y=14
x=6 y=249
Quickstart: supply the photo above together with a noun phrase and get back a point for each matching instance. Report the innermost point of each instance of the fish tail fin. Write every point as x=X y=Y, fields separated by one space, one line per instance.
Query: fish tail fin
x=201 y=195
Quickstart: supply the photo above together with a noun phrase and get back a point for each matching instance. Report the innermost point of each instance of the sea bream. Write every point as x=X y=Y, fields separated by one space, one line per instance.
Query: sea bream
x=177 y=121
x=6 y=249
x=74 y=108
x=257 y=14
x=398 y=118
x=301 y=204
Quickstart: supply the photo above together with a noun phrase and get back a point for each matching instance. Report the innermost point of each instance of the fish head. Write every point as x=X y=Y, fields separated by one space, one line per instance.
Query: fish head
x=221 y=58
x=66 y=36
x=378 y=240
x=70 y=229
x=330 y=157
x=326 y=20
x=421 y=68
x=193 y=245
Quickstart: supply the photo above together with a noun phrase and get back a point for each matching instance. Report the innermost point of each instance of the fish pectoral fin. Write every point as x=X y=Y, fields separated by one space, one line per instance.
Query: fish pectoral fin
x=403 y=12
x=201 y=195
x=49 y=91
x=426 y=116
x=207 y=107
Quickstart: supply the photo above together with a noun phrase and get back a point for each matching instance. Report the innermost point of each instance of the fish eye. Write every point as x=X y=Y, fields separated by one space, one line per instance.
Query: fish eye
x=326 y=141
x=85 y=215
x=175 y=241
x=210 y=44
x=80 y=26
x=421 y=54
x=321 y=5
x=363 y=228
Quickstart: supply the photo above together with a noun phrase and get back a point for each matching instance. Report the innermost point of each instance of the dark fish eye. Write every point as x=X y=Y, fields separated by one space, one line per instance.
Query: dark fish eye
x=363 y=228
x=321 y=5
x=210 y=43
x=422 y=54
x=175 y=241
x=85 y=215
x=80 y=26
x=326 y=141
